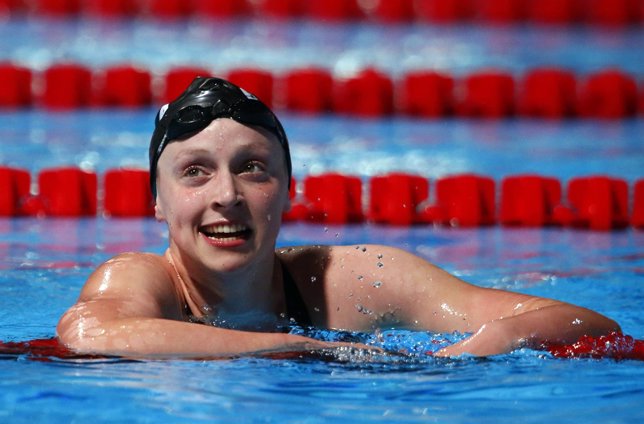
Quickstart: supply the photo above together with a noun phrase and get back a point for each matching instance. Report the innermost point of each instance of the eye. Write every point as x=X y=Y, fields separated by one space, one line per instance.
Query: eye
x=253 y=167
x=193 y=172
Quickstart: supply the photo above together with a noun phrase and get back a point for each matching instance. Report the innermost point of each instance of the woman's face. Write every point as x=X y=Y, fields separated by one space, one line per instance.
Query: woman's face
x=222 y=193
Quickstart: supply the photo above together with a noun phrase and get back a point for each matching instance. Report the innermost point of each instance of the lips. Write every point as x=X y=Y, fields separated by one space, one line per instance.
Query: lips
x=226 y=233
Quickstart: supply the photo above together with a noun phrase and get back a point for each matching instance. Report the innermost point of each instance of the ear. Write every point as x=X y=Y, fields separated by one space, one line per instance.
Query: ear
x=158 y=212
x=287 y=205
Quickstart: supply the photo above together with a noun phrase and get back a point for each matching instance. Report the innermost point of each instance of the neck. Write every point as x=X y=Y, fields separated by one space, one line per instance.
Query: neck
x=245 y=298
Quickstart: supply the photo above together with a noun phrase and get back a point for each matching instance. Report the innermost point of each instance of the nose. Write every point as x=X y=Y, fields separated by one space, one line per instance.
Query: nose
x=224 y=192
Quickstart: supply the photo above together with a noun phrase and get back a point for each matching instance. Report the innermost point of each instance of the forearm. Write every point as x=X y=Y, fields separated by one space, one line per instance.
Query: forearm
x=560 y=323
x=162 y=338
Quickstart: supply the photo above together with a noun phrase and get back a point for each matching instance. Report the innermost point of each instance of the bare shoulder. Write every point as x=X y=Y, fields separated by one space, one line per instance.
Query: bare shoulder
x=129 y=273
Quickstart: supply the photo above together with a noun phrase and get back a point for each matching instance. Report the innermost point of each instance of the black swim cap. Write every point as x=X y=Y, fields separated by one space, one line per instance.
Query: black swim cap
x=205 y=100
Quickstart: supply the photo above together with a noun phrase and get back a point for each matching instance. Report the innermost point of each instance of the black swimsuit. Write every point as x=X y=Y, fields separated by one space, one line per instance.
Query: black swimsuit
x=295 y=306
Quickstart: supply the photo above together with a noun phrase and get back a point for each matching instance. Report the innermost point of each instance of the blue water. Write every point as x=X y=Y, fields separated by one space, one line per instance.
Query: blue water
x=44 y=262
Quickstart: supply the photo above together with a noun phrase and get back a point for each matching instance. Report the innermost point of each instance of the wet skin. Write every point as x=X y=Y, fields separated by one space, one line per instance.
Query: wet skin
x=222 y=192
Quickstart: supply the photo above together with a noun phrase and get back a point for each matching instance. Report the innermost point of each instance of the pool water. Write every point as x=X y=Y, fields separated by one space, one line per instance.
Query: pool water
x=44 y=262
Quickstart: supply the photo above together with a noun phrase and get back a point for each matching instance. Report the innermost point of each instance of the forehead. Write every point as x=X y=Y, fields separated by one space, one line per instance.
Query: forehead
x=225 y=133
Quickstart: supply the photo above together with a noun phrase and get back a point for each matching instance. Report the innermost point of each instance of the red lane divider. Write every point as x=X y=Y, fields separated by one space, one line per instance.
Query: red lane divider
x=127 y=193
x=177 y=79
x=488 y=95
x=593 y=12
x=599 y=203
x=529 y=200
x=14 y=190
x=330 y=199
x=125 y=86
x=552 y=93
x=608 y=94
x=112 y=8
x=308 y=90
x=67 y=86
x=395 y=198
x=615 y=346
x=67 y=192
x=370 y=94
x=257 y=81
x=548 y=93
x=426 y=94
x=222 y=8
x=637 y=217
x=15 y=90
x=463 y=201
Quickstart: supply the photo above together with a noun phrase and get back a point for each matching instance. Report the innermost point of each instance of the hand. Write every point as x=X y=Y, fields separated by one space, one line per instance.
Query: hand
x=491 y=339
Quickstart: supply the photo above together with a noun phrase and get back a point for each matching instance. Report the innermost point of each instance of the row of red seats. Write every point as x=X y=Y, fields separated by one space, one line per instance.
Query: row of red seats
x=595 y=202
x=542 y=92
x=605 y=12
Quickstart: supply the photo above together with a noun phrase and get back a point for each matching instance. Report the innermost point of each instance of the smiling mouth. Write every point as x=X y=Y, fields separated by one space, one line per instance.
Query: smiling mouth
x=226 y=232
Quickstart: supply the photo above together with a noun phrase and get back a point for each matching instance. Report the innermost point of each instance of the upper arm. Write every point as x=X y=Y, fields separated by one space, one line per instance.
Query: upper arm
x=375 y=286
x=128 y=285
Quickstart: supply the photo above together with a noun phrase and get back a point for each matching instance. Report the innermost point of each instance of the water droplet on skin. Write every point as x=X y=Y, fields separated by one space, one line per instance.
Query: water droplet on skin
x=364 y=249
x=380 y=256
x=360 y=277
x=380 y=264
x=314 y=279
x=377 y=284
x=362 y=309
x=326 y=229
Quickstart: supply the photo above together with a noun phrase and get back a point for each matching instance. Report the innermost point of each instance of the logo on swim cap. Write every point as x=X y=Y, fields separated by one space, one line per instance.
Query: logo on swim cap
x=163 y=110
x=248 y=95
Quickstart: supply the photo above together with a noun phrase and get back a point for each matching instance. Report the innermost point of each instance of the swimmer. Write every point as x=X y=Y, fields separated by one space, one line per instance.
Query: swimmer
x=220 y=171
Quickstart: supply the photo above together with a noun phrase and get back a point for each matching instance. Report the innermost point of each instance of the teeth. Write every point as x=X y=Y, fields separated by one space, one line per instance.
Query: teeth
x=225 y=229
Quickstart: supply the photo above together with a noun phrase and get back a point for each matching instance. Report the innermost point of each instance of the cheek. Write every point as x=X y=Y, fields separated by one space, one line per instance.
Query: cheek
x=176 y=206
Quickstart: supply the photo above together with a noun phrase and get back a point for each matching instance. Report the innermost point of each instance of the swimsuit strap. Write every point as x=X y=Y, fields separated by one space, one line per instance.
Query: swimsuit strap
x=295 y=306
